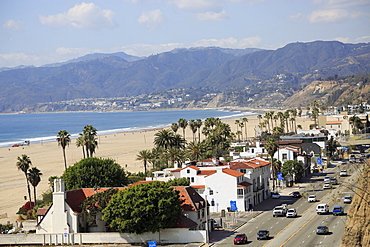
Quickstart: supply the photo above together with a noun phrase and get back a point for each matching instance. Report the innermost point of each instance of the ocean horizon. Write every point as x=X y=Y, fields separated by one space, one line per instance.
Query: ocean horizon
x=44 y=127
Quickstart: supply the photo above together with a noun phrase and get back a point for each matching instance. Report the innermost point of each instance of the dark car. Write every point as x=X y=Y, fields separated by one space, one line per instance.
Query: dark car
x=338 y=210
x=322 y=230
x=263 y=234
x=296 y=194
x=240 y=239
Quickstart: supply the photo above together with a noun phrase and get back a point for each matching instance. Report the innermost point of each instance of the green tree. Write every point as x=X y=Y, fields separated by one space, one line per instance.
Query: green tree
x=23 y=164
x=293 y=168
x=89 y=133
x=164 y=138
x=178 y=182
x=63 y=139
x=34 y=176
x=144 y=156
x=245 y=121
x=271 y=147
x=183 y=123
x=80 y=142
x=193 y=126
x=199 y=124
x=94 y=173
x=175 y=127
x=143 y=208
x=195 y=150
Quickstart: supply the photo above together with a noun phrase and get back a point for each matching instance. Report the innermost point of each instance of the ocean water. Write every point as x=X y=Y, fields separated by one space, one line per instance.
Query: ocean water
x=44 y=127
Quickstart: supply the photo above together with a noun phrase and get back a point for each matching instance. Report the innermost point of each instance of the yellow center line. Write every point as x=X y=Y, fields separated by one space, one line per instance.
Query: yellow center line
x=303 y=224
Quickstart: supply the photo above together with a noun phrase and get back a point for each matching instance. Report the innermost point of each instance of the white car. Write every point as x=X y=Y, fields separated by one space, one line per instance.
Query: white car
x=327 y=179
x=347 y=199
x=326 y=186
x=343 y=173
x=291 y=213
x=312 y=198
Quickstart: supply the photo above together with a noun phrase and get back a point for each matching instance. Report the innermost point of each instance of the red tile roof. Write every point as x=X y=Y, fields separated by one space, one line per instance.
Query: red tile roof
x=206 y=172
x=232 y=172
x=244 y=184
x=190 y=199
x=334 y=122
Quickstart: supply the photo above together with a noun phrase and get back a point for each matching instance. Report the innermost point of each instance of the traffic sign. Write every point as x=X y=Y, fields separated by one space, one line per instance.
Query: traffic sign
x=280 y=176
x=152 y=244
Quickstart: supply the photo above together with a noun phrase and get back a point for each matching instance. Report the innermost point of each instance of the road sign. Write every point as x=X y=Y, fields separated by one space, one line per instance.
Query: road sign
x=233 y=206
x=152 y=244
x=319 y=161
x=280 y=176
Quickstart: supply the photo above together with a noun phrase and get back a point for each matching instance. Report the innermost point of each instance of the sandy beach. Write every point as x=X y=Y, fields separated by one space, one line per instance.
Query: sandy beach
x=48 y=158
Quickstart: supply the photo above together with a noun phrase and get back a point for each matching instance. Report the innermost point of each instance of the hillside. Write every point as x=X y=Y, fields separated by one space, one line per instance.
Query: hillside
x=242 y=77
x=357 y=229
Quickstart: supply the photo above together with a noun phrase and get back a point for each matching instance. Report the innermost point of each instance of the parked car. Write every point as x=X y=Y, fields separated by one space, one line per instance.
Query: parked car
x=275 y=195
x=347 y=199
x=240 y=239
x=296 y=194
x=322 y=230
x=333 y=181
x=343 y=173
x=326 y=186
x=312 y=198
x=322 y=208
x=338 y=210
x=327 y=179
x=263 y=234
x=291 y=213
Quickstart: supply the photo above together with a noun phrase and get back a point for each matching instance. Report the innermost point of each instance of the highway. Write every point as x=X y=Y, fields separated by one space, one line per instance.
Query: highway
x=301 y=231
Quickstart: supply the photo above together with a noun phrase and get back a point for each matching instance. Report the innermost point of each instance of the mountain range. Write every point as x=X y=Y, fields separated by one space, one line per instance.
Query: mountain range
x=211 y=68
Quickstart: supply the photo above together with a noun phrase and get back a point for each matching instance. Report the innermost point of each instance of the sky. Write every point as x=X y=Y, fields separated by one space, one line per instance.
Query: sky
x=40 y=32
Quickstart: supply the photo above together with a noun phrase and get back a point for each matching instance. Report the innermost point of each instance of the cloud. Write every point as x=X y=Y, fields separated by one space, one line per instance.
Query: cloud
x=198 y=5
x=296 y=18
x=147 y=49
x=212 y=16
x=332 y=15
x=230 y=42
x=83 y=16
x=151 y=19
x=334 y=4
x=364 y=39
x=13 y=25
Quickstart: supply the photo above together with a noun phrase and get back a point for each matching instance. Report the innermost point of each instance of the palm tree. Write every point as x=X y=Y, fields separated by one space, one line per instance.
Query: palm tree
x=195 y=150
x=241 y=125
x=245 y=121
x=64 y=138
x=175 y=127
x=237 y=122
x=145 y=156
x=183 y=123
x=164 y=138
x=89 y=133
x=271 y=147
x=23 y=164
x=80 y=142
x=34 y=178
x=193 y=127
x=199 y=125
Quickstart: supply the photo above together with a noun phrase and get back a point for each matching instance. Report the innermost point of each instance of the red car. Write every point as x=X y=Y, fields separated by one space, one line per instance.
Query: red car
x=296 y=194
x=240 y=239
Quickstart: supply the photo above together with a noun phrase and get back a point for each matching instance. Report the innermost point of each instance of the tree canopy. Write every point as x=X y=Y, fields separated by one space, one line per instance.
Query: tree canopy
x=94 y=173
x=143 y=208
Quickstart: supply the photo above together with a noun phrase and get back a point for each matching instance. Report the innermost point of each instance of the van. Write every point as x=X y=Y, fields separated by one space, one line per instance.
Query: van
x=322 y=209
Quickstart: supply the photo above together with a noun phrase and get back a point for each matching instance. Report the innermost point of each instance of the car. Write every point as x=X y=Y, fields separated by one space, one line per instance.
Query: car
x=343 y=173
x=347 y=199
x=15 y=145
x=311 y=198
x=275 y=195
x=333 y=181
x=338 y=210
x=322 y=230
x=263 y=234
x=296 y=194
x=327 y=179
x=291 y=213
x=322 y=208
x=240 y=238
x=326 y=186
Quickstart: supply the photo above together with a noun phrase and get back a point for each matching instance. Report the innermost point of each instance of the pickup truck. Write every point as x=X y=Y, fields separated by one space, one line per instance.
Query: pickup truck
x=280 y=210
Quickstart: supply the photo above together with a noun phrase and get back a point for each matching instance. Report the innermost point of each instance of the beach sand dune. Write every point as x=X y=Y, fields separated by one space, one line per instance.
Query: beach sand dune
x=48 y=158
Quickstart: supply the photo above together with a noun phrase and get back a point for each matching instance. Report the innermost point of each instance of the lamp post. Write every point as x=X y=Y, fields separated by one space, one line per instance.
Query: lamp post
x=206 y=208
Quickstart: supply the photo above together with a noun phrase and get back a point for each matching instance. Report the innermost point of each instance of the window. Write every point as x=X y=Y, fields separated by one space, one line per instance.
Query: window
x=211 y=192
x=192 y=179
x=243 y=170
x=285 y=156
x=188 y=170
